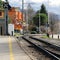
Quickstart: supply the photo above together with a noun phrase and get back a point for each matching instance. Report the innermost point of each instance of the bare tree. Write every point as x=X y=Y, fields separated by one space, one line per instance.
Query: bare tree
x=54 y=22
x=30 y=13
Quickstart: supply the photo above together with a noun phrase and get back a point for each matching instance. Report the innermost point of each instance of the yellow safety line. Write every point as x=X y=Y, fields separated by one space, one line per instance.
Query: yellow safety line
x=10 y=47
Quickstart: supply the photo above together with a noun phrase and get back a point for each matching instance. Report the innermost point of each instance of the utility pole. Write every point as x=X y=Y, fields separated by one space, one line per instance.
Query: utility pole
x=48 y=11
x=47 y=32
x=22 y=13
x=39 y=21
x=6 y=16
x=27 y=18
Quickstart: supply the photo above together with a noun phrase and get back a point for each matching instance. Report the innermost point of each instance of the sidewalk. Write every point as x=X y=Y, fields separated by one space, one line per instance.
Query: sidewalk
x=19 y=54
x=10 y=50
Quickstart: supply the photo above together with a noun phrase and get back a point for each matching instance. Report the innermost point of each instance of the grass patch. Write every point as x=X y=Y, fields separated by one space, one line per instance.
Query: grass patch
x=45 y=37
x=17 y=34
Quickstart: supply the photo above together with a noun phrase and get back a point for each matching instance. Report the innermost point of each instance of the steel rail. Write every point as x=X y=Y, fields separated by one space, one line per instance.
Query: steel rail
x=41 y=49
x=51 y=46
x=47 y=43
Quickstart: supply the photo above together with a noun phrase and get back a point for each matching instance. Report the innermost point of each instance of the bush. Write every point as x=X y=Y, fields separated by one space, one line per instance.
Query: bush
x=33 y=32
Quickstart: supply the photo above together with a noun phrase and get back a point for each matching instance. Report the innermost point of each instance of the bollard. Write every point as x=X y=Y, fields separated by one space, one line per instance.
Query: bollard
x=48 y=35
x=1 y=30
x=52 y=35
x=58 y=36
x=12 y=33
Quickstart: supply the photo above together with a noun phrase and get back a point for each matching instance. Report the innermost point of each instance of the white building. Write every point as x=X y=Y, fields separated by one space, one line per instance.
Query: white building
x=11 y=29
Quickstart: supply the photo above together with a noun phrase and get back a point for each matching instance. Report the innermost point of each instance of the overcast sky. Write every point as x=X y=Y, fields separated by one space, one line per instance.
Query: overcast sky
x=51 y=5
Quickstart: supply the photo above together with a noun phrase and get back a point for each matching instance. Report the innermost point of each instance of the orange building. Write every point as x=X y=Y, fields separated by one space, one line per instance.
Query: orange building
x=16 y=18
x=12 y=14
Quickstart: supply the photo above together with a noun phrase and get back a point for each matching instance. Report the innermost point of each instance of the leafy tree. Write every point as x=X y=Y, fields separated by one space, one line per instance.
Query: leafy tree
x=43 y=16
x=36 y=19
x=43 y=19
x=1 y=4
x=43 y=9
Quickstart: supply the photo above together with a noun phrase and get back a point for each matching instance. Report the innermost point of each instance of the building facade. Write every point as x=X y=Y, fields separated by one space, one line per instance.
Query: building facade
x=16 y=17
x=2 y=22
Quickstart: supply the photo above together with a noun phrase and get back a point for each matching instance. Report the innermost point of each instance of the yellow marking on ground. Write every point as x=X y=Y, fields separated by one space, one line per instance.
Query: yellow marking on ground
x=10 y=47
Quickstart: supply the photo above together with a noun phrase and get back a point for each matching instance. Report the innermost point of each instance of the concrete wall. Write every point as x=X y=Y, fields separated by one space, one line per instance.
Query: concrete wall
x=55 y=36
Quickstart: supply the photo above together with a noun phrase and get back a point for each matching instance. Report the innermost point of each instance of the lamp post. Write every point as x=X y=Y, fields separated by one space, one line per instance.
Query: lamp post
x=6 y=16
x=39 y=21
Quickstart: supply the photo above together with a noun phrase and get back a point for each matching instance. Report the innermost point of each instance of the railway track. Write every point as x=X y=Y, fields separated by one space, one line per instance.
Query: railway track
x=49 y=46
x=40 y=48
x=47 y=43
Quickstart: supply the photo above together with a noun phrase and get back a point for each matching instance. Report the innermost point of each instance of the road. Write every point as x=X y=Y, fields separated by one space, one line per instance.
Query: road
x=10 y=50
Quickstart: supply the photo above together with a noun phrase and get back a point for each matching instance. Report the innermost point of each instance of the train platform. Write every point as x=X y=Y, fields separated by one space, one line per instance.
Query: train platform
x=52 y=41
x=10 y=50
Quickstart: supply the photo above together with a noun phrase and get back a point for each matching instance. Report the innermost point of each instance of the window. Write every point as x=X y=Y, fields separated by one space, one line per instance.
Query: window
x=0 y=13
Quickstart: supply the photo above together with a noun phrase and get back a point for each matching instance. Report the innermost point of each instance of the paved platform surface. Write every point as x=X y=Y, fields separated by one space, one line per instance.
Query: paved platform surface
x=52 y=41
x=10 y=50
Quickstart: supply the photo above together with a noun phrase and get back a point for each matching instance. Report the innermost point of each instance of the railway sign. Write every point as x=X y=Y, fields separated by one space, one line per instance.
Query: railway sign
x=5 y=5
